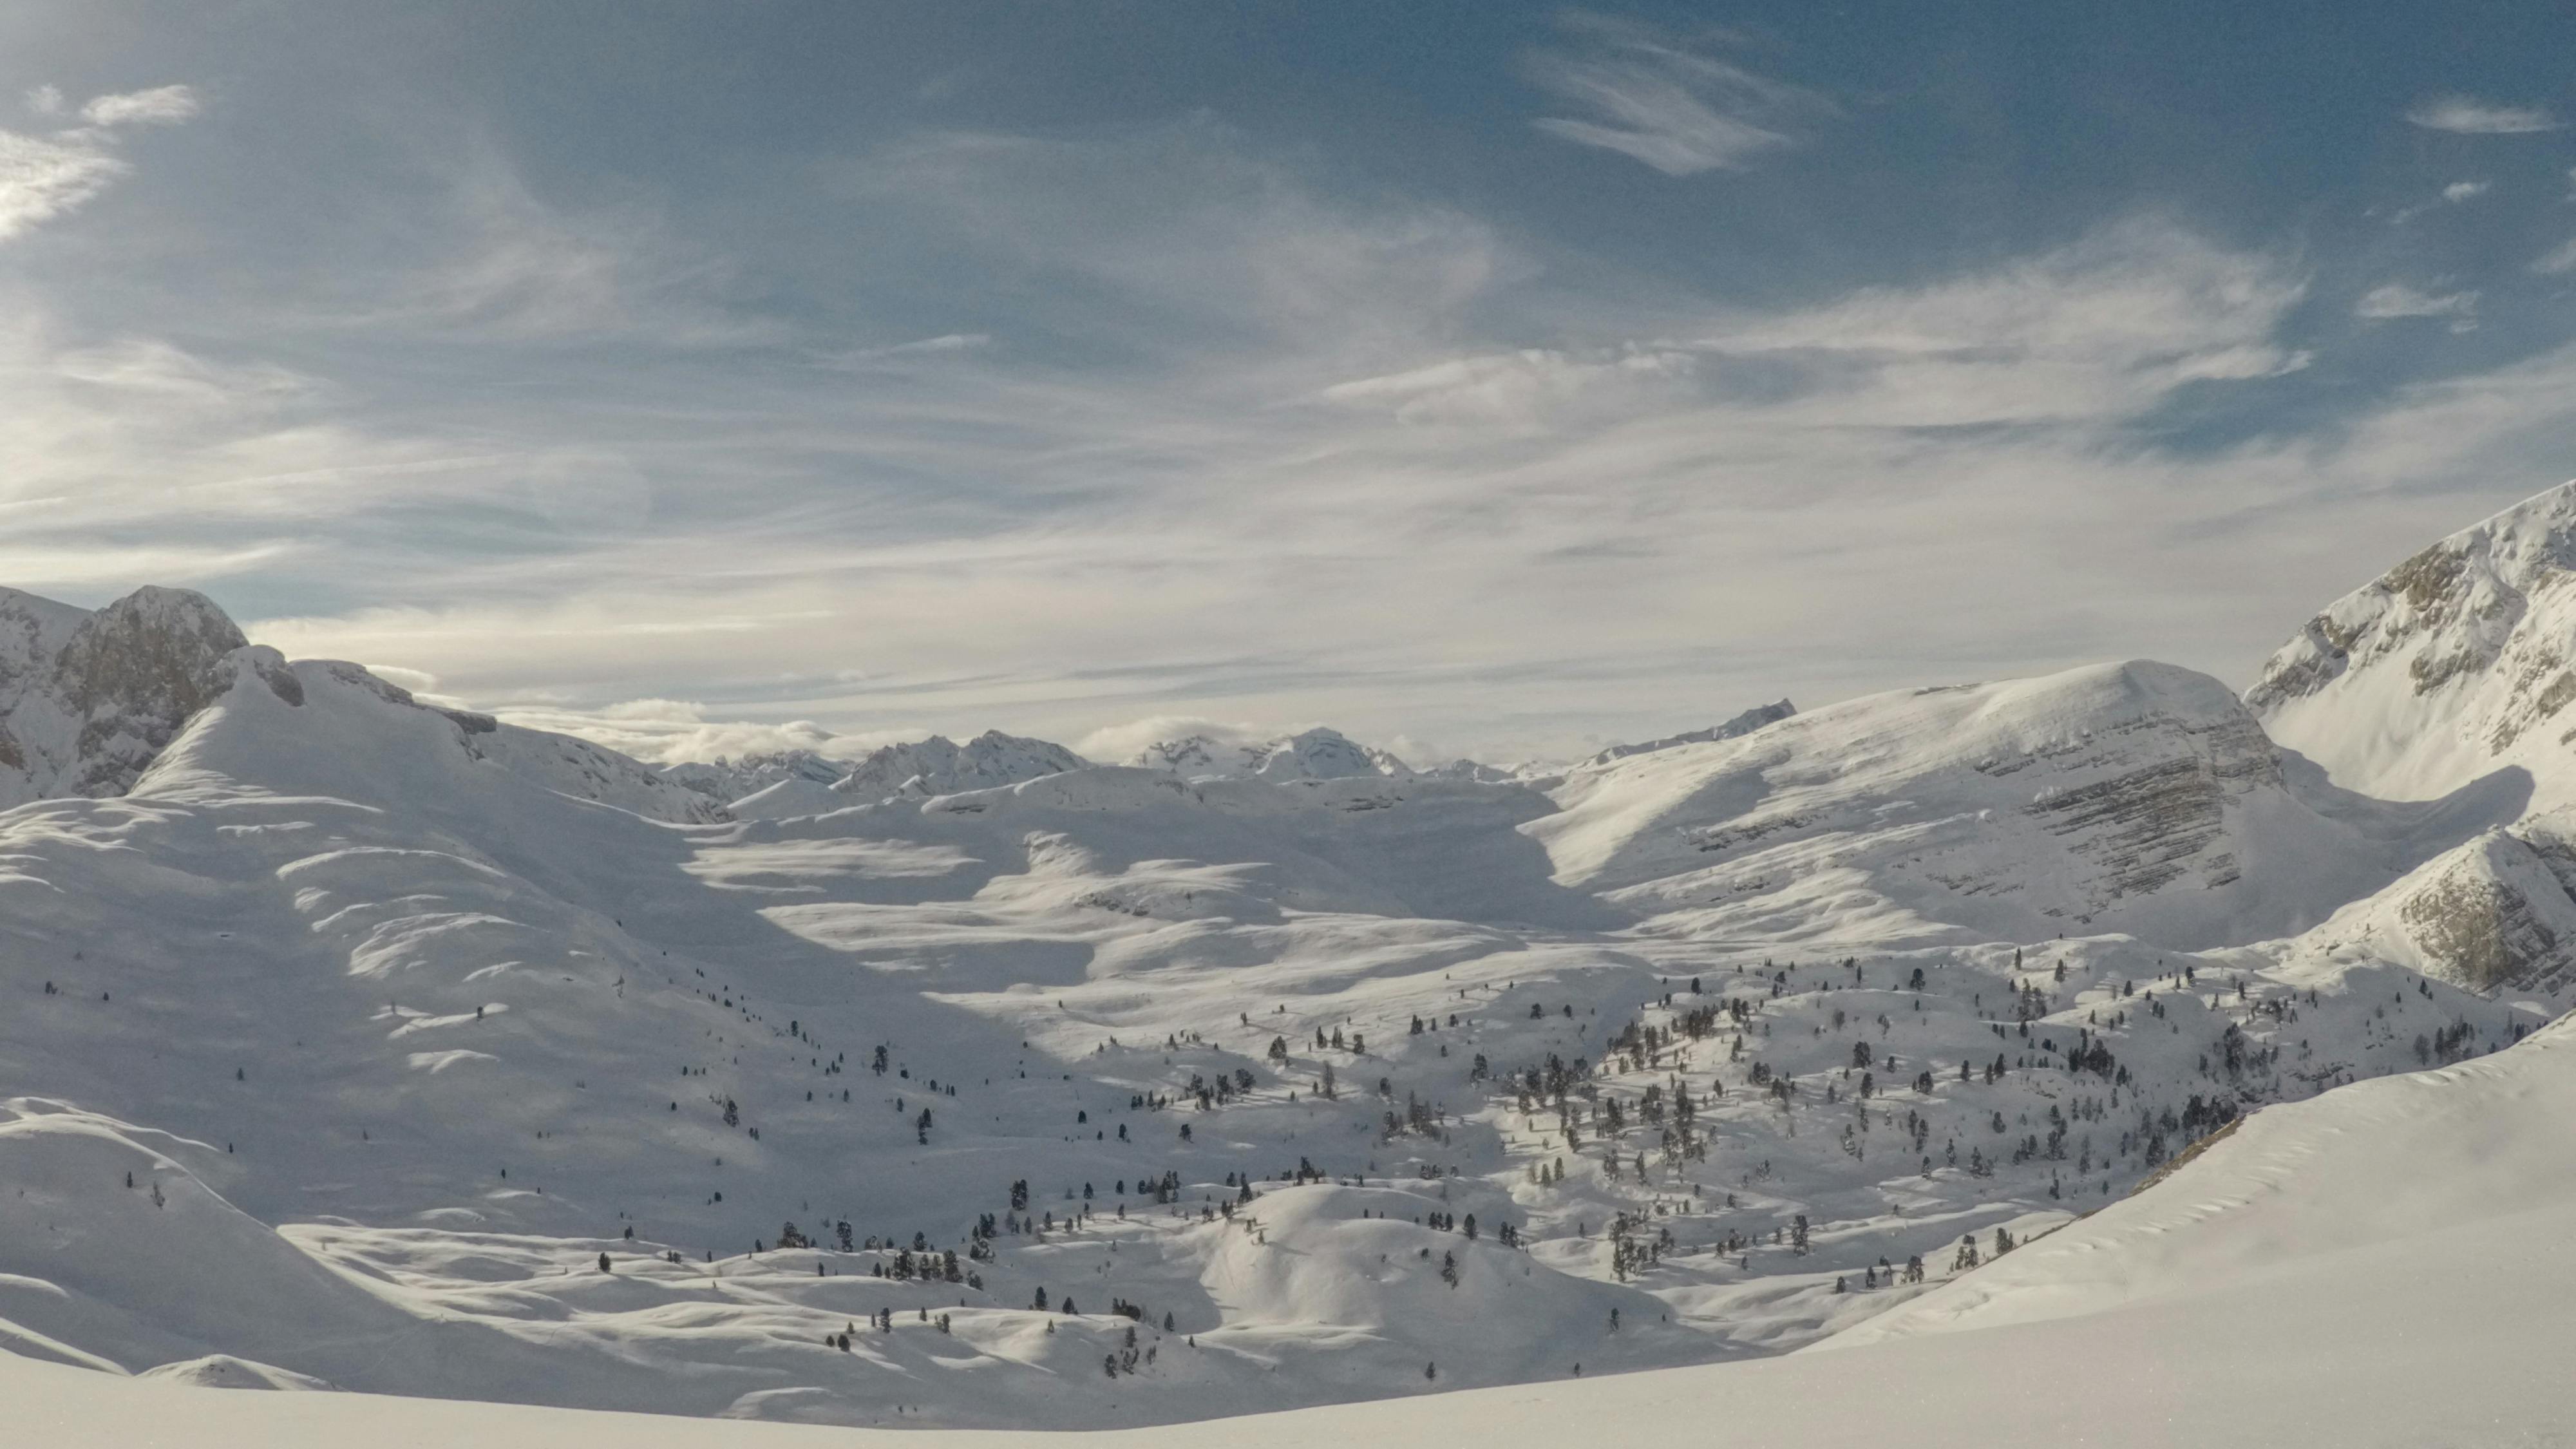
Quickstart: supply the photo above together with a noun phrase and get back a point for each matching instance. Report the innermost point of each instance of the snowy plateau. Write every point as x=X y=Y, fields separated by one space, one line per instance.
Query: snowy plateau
x=2101 y=1058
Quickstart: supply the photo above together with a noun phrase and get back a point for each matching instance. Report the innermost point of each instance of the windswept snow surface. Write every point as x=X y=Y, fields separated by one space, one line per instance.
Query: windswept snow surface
x=2388 y=1265
x=343 y=1046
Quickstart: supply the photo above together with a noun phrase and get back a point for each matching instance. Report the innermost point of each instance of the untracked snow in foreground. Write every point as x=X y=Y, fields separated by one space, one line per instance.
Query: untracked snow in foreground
x=2391 y=1264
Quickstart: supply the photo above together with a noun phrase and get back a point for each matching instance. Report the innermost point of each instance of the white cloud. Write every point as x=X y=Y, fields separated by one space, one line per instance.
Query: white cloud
x=666 y=731
x=2468 y=116
x=159 y=106
x=2396 y=299
x=491 y=258
x=1675 y=108
x=2090 y=334
x=1118 y=743
x=2094 y=332
x=2459 y=191
x=44 y=177
x=173 y=375
x=2558 y=260
x=1205 y=247
x=946 y=344
x=1506 y=549
x=1532 y=388
x=41 y=178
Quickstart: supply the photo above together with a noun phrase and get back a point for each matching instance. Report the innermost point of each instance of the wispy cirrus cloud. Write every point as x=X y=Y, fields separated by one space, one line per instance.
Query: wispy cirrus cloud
x=1671 y=104
x=42 y=177
x=1254 y=443
x=1160 y=528
x=2469 y=116
x=2395 y=300
x=946 y=344
x=159 y=106
x=2557 y=261
x=46 y=176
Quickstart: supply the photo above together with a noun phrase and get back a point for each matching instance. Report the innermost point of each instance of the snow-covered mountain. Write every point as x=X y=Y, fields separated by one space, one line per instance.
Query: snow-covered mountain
x=336 y=1020
x=2495 y=913
x=88 y=702
x=1471 y=771
x=725 y=779
x=1315 y=754
x=1736 y=728
x=2455 y=664
x=2136 y=797
x=916 y=770
x=87 y=699
x=938 y=766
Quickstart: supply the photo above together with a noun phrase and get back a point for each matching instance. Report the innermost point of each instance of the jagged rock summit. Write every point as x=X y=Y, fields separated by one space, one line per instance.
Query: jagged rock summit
x=2458 y=662
x=88 y=699
x=2496 y=913
x=940 y=766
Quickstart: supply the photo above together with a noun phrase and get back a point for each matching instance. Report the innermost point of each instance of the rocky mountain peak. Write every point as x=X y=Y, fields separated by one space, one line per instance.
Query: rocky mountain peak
x=91 y=698
x=1314 y=754
x=2455 y=663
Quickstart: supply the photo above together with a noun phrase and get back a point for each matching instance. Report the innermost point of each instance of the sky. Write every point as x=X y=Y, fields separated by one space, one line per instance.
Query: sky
x=1476 y=378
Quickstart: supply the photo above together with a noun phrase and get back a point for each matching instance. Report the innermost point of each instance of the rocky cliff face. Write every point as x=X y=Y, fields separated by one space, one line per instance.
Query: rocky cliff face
x=88 y=699
x=2491 y=915
x=2458 y=662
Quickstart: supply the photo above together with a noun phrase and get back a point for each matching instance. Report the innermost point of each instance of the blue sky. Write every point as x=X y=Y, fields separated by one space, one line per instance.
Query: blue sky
x=1473 y=377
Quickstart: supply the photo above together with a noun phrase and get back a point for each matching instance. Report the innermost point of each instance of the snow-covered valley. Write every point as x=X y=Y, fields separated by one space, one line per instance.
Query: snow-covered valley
x=359 y=1044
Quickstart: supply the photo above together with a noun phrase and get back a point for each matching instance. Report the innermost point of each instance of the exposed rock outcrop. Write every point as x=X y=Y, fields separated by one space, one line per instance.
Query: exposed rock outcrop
x=2457 y=662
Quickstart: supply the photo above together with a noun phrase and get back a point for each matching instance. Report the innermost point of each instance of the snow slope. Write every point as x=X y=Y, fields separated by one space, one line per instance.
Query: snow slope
x=2385 y=1265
